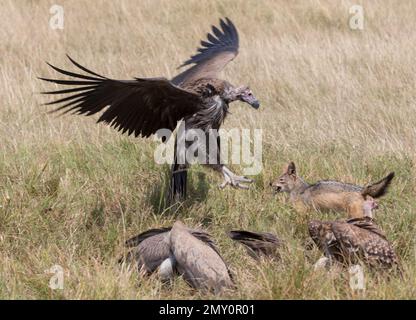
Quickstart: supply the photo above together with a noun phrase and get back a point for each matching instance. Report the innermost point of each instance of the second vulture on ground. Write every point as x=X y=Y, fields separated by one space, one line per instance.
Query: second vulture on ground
x=184 y=251
x=353 y=240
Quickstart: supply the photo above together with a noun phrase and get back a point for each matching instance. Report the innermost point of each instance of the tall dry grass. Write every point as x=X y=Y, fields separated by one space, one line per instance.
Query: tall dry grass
x=338 y=102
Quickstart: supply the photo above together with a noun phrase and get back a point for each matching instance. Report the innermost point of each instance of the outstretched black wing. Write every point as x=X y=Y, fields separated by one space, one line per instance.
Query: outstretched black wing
x=215 y=53
x=140 y=106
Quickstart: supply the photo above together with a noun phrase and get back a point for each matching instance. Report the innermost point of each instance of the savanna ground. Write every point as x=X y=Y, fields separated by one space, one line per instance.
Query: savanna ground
x=338 y=102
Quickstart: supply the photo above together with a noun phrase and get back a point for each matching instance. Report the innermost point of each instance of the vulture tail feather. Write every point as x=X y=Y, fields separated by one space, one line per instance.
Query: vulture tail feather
x=178 y=183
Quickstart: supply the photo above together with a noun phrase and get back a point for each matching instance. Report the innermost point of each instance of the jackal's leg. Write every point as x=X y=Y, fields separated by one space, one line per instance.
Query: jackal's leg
x=233 y=180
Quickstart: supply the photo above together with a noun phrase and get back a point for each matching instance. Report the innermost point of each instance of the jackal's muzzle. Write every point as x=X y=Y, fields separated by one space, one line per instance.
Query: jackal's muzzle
x=276 y=187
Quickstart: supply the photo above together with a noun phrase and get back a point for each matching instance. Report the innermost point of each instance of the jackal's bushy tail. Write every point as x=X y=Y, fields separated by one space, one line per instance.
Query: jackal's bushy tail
x=378 y=188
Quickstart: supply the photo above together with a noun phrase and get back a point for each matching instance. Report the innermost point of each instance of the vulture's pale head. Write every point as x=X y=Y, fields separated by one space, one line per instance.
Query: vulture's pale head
x=246 y=95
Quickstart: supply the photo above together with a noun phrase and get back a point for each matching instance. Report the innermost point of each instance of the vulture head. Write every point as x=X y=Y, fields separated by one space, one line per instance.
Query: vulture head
x=245 y=94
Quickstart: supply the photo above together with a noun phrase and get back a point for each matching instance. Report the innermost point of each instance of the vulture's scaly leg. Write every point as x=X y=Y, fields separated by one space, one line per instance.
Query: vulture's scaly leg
x=328 y=254
x=233 y=180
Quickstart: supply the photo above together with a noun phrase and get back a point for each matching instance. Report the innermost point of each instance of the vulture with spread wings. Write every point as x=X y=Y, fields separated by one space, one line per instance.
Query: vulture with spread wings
x=142 y=106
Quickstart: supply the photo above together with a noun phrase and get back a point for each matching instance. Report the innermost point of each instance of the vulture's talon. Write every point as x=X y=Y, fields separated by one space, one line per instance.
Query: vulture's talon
x=240 y=179
x=246 y=180
x=242 y=186
x=223 y=185
x=237 y=182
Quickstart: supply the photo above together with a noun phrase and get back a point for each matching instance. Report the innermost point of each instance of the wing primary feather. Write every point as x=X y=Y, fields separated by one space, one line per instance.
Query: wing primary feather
x=232 y=28
x=69 y=104
x=72 y=97
x=205 y=44
x=69 y=82
x=85 y=69
x=72 y=74
x=70 y=90
x=216 y=31
x=213 y=39
x=136 y=240
x=215 y=52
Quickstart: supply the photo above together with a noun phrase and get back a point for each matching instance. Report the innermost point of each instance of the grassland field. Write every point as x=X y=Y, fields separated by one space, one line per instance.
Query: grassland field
x=339 y=102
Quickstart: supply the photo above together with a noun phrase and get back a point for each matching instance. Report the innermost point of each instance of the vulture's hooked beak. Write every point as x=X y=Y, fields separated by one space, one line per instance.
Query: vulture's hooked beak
x=247 y=96
x=251 y=100
x=255 y=104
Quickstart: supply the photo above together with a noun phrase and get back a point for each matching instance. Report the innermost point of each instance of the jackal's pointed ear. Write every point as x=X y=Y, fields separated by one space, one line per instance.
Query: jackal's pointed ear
x=291 y=169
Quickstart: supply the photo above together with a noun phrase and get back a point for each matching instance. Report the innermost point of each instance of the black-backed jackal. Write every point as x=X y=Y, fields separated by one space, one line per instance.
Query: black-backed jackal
x=328 y=194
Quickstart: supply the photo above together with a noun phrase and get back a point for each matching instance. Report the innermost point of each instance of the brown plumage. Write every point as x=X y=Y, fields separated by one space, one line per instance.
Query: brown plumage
x=139 y=107
x=180 y=250
x=258 y=244
x=143 y=106
x=349 y=241
x=215 y=53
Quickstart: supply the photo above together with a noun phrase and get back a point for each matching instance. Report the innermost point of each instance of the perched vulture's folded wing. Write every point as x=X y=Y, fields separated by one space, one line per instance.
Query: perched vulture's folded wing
x=136 y=240
x=201 y=266
x=360 y=240
x=204 y=237
x=140 y=106
x=215 y=53
x=368 y=224
x=150 y=249
x=320 y=232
